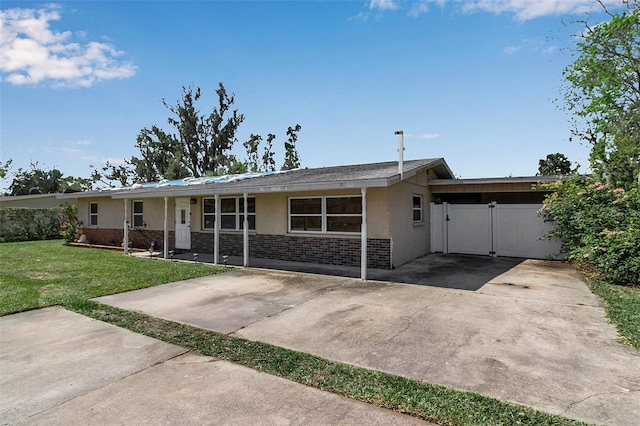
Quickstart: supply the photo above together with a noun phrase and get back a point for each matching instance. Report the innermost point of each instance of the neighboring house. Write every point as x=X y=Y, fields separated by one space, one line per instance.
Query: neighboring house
x=369 y=215
x=33 y=201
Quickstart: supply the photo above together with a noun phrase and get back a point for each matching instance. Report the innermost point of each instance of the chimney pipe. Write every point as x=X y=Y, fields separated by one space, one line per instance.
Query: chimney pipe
x=400 y=153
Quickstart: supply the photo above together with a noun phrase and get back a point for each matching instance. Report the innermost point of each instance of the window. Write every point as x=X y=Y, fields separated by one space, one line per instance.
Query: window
x=208 y=213
x=305 y=214
x=325 y=214
x=231 y=213
x=344 y=214
x=138 y=220
x=417 y=208
x=93 y=214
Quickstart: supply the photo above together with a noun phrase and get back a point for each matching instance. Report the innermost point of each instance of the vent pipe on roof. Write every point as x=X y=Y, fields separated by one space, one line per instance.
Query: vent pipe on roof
x=400 y=152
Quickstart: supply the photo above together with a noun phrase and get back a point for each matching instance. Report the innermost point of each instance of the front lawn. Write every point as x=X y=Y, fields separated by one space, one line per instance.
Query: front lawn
x=35 y=274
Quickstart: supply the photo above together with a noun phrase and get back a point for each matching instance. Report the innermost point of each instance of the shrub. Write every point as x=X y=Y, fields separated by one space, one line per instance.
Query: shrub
x=27 y=224
x=599 y=225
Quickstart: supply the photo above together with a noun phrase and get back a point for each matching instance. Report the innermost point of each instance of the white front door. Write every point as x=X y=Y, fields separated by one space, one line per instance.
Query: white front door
x=183 y=224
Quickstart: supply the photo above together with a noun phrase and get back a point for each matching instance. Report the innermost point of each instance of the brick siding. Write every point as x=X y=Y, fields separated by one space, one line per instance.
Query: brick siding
x=138 y=239
x=324 y=250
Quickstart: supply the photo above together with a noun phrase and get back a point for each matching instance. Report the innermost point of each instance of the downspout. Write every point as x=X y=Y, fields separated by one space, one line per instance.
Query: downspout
x=245 y=233
x=216 y=233
x=166 y=228
x=363 y=237
x=125 y=242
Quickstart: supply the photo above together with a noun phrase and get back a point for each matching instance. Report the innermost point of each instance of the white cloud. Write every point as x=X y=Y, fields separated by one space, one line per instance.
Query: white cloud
x=430 y=135
x=418 y=8
x=32 y=53
x=530 y=9
x=382 y=5
x=522 y=10
x=510 y=50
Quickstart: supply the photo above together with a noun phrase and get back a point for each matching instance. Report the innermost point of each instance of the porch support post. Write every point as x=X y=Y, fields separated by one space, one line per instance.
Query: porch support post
x=125 y=241
x=165 y=243
x=216 y=232
x=245 y=233
x=363 y=234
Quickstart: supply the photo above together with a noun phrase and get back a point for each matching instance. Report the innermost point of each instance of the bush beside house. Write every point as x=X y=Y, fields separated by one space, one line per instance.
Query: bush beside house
x=27 y=224
x=599 y=225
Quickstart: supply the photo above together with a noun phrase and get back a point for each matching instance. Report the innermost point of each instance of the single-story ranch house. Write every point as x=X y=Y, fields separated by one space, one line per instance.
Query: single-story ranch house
x=377 y=215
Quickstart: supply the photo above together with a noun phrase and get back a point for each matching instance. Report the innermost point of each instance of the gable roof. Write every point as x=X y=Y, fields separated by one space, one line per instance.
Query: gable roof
x=322 y=178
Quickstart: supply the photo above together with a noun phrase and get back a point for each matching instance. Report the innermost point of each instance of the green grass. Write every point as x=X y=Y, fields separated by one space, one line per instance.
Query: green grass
x=43 y=273
x=622 y=304
x=430 y=402
x=35 y=274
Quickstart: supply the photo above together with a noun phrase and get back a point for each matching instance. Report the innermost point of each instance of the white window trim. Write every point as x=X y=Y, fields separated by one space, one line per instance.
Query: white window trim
x=322 y=215
x=420 y=209
x=238 y=215
x=134 y=214
x=91 y=215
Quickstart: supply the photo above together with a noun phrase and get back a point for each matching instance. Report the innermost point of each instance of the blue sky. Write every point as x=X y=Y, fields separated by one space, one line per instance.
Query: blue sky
x=471 y=81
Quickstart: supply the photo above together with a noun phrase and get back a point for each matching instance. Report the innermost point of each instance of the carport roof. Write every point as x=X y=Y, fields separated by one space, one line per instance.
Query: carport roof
x=323 y=178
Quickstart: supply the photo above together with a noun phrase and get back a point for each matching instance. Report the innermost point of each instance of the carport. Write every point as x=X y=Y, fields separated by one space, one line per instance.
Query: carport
x=494 y=217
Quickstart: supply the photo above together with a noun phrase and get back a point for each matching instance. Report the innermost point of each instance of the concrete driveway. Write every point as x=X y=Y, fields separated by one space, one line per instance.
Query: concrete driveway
x=60 y=368
x=533 y=335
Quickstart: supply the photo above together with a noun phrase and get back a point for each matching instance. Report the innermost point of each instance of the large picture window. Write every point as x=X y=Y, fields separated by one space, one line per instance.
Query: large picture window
x=231 y=213
x=325 y=214
x=93 y=214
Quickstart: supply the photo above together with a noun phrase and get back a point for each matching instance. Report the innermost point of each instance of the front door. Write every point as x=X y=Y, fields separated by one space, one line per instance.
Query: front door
x=183 y=224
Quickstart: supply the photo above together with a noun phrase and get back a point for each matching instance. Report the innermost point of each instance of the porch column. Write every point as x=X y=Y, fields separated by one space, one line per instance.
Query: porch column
x=245 y=231
x=216 y=233
x=363 y=238
x=165 y=243
x=125 y=241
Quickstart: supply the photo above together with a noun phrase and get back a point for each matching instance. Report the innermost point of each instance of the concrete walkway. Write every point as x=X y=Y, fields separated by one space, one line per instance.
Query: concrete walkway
x=61 y=368
x=533 y=335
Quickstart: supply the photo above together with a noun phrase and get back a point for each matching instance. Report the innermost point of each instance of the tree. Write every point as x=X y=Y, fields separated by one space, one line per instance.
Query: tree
x=555 y=164
x=199 y=145
x=4 y=168
x=39 y=181
x=291 y=157
x=604 y=95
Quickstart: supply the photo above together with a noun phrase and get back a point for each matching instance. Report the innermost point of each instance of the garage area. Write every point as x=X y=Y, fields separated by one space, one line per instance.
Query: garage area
x=491 y=217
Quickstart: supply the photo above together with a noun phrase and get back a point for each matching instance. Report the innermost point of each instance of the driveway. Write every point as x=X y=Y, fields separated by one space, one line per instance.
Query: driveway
x=532 y=335
x=61 y=368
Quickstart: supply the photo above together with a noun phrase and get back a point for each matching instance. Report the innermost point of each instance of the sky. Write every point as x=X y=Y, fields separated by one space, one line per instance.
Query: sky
x=475 y=82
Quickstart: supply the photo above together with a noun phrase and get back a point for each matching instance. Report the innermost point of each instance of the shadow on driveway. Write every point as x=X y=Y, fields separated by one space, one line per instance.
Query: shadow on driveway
x=462 y=272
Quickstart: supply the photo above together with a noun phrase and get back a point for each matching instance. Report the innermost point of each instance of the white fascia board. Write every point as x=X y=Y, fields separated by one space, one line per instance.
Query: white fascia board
x=222 y=190
x=481 y=181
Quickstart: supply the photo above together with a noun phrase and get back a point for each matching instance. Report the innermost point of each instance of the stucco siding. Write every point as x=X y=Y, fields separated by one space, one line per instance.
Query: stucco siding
x=409 y=240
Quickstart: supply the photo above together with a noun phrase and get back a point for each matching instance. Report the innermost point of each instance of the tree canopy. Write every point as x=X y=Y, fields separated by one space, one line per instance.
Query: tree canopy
x=198 y=144
x=603 y=93
x=39 y=181
x=555 y=164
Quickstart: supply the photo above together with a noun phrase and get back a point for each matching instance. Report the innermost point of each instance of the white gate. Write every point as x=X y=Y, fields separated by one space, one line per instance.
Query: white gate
x=514 y=230
x=183 y=224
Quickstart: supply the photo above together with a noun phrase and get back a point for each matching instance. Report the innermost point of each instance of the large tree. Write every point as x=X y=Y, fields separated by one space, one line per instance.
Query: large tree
x=604 y=94
x=198 y=144
x=555 y=164
x=39 y=181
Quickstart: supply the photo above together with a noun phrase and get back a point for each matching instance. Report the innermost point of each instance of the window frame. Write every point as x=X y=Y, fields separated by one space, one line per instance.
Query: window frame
x=324 y=216
x=237 y=214
x=93 y=215
x=139 y=215
x=419 y=209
